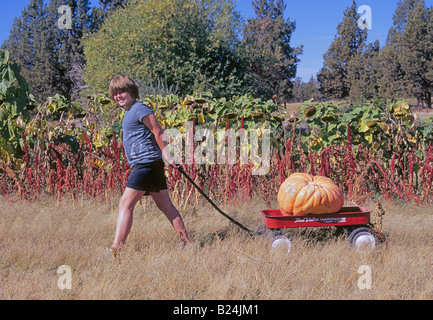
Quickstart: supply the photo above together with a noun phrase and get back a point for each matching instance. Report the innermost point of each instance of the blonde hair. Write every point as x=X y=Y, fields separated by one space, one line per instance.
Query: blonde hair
x=123 y=83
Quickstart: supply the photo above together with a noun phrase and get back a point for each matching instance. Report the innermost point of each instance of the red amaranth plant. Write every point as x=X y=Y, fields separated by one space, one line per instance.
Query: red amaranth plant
x=101 y=172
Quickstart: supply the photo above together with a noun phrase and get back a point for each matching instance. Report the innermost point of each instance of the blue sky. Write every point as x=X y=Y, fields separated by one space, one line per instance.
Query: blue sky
x=316 y=24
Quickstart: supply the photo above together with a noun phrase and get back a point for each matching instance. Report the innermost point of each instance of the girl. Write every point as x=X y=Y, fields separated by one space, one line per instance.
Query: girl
x=145 y=149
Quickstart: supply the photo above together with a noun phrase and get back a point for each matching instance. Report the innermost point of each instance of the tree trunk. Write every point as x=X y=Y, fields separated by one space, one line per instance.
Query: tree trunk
x=420 y=102
x=428 y=99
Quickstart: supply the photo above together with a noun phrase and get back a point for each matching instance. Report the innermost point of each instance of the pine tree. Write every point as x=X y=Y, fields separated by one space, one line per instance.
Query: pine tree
x=46 y=52
x=65 y=43
x=364 y=72
x=272 y=61
x=416 y=55
x=112 y=5
x=407 y=57
x=347 y=45
x=27 y=45
x=304 y=91
x=104 y=10
x=393 y=82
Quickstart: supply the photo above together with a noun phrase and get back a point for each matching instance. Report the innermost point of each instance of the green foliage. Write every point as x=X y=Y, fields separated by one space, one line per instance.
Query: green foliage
x=240 y=112
x=272 y=61
x=184 y=44
x=98 y=119
x=364 y=73
x=416 y=58
x=402 y=68
x=47 y=53
x=304 y=91
x=106 y=7
x=392 y=82
x=14 y=99
x=176 y=46
x=377 y=127
x=347 y=45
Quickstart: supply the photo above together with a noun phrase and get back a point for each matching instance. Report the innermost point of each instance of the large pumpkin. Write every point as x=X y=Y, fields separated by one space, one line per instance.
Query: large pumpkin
x=303 y=193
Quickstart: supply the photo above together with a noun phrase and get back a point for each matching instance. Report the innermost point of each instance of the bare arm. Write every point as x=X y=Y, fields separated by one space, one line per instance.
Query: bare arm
x=153 y=125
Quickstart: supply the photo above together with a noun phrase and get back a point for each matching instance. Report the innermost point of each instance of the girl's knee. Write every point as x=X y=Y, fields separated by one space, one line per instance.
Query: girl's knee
x=126 y=204
x=129 y=199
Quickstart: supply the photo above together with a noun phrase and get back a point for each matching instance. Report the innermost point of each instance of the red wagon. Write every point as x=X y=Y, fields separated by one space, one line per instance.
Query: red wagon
x=355 y=221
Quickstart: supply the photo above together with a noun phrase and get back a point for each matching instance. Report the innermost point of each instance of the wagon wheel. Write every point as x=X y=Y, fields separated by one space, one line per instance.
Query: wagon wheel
x=279 y=238
x=363 y=237
x=282 y=242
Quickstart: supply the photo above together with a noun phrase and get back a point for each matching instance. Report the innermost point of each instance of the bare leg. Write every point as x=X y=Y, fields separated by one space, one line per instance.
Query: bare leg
x=163 y=202
x=127 y=204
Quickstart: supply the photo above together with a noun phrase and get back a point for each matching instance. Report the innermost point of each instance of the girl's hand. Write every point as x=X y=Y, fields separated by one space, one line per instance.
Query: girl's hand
x=171 y=163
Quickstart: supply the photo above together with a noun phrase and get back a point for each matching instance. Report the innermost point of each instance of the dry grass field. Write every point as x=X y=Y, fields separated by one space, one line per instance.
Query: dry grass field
x=223 y=263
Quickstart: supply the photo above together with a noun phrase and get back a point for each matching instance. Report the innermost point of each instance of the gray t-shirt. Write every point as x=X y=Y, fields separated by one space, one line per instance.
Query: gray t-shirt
x=139 y=142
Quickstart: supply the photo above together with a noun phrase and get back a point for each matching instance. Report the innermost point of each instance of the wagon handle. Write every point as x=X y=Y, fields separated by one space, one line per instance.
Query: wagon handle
x=212 y=203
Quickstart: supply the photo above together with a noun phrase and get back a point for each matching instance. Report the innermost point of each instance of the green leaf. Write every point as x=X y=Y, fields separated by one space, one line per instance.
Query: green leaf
x=11 y=130
x=362 y=126
x=4 y=86
x=4 y=57
x=9 y=74
x=3 y=115
x=369 y=137
x=332 y=126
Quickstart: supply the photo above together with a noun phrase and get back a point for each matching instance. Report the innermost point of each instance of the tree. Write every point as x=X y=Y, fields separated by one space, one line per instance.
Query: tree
x=416 y=56
x=104 y=10
x=393 y=82
x=65 y=45
x=407 y=57
x=27 y=46
x=272 y=61
x=14 y=101
x=47 y=50
x=112 y=5
x=304 y=91
x=186 y=44
x=364 y=72
x=347 y=45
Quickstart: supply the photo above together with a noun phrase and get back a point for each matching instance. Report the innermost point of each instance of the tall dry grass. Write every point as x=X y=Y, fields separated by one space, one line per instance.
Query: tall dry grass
x=223 y=262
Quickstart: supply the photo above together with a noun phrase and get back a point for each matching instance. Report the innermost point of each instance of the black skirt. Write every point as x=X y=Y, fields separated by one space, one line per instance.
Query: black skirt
x=149 y=177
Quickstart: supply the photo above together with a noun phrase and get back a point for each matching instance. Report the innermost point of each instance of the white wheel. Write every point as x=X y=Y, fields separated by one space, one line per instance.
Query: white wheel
x=363 y=238
x=282 y=242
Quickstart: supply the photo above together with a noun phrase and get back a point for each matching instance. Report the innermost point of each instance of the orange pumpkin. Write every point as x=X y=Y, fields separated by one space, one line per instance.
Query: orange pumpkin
x=303 y=193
